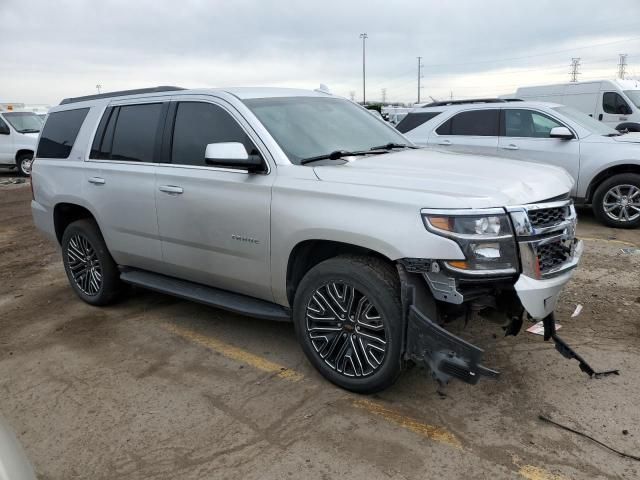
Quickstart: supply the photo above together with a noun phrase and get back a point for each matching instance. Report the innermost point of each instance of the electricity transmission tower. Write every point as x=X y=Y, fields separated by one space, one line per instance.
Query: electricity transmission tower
x=384 y=95
x=575 y=65
x=352 y=95
x=622 y=66
x=420 y=76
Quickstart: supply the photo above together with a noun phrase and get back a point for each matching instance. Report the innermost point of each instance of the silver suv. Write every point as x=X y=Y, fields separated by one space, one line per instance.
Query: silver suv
x=604 y=162
x=301 y=206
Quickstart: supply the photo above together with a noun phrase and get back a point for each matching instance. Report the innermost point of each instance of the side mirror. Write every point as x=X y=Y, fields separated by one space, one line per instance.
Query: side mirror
x=561 y=132
x=232 y=155
x=4 y=130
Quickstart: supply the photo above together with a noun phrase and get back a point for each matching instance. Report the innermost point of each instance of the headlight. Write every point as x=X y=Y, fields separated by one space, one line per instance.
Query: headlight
x=486 y=239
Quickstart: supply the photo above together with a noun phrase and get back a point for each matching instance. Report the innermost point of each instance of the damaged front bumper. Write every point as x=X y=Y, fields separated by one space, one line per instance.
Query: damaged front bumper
x=432 y=296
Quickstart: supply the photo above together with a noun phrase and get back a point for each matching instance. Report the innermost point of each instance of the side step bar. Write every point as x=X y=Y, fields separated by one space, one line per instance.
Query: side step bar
x=214 y=297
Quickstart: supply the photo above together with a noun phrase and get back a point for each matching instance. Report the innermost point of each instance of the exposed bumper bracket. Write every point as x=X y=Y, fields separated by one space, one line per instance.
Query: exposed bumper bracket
x=446 y=355
x=566 y=351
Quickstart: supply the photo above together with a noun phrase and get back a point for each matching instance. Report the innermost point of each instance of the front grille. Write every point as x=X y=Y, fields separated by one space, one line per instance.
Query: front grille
x=545 y=233
x=546 y=217
x=552 y=255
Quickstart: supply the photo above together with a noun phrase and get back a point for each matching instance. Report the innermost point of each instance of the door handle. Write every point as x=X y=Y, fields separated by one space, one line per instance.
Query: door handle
x=171 y=189
x=444 y=142
x=511 y=146
x=600 y=117
x=96 y=180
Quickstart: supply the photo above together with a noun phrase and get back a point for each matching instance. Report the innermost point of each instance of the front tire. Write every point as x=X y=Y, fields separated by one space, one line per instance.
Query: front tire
x=348 y=319
x=616 y=201
x=92 y=272
x=23 y=163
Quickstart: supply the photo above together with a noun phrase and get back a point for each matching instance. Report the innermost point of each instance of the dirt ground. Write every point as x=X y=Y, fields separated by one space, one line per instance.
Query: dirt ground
x=156 y=388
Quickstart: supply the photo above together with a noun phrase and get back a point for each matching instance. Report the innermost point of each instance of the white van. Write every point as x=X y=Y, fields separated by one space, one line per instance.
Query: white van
x=614 y=102
x=18 y=139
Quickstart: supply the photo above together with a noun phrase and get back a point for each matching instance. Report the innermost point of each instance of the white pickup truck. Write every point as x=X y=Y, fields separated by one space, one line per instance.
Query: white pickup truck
x=18 y=139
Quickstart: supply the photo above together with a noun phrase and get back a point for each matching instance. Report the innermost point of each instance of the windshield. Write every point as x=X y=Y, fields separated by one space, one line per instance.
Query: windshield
x=634 y=96
x=24 y=122
x=306 y=127
x=584 y=120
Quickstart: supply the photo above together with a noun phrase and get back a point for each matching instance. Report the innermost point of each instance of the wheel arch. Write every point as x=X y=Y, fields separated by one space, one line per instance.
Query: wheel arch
x=66 y=213
x=22 y=151
x=607 y=173
x=308 y=253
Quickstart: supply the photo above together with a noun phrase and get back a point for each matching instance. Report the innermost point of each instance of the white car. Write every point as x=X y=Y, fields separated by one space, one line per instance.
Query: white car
x=604 y=163
x=18 y=139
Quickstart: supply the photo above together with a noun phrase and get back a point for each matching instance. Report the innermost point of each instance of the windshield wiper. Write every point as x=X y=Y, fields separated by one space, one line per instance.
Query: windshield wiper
x=335 y=155
x=29 y=130
x=390 y=146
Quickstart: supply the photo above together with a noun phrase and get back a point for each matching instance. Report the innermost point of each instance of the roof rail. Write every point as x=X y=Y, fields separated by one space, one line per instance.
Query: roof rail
x=462 y=102
x=120 y=93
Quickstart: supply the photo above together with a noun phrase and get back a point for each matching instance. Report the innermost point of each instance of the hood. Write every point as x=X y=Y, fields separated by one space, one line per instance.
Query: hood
x=453 y=180
x=631 y=137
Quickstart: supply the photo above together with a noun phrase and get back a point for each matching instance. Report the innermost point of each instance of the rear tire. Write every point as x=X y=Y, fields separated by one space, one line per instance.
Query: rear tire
x=92 y=272
x=23 y=163
x=348 y=319
x=616 y=201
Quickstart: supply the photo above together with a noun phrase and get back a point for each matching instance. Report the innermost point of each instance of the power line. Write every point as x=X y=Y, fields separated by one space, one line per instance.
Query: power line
x=497 y=60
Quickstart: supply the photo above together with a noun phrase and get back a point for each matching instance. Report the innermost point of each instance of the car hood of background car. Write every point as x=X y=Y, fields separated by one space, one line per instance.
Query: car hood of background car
x=453 y=180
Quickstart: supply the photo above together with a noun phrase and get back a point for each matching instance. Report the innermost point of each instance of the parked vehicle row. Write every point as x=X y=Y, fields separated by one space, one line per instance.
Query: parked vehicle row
x=295 y=205
x=604 y=162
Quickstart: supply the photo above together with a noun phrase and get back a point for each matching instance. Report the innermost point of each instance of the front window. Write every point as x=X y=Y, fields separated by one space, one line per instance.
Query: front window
x=594 y=126
x=634 y=96
x=613 y=103
x=527 y=123
x=24 y=122
x=306 y=127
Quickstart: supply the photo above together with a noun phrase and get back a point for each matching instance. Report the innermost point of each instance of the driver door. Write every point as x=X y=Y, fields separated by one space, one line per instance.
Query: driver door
x=214 y=222
x=614 y=109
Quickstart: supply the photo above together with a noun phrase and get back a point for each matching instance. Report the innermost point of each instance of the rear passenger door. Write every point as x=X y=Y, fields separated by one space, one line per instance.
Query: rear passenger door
x=472 y=131
x=525 y=137
x=120 y=181
x=214 y=221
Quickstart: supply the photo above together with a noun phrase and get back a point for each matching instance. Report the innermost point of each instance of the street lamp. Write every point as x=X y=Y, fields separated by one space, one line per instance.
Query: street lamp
x=363 y=36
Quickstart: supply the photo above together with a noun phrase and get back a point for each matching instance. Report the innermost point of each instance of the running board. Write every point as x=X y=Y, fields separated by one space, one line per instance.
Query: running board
x=214 y=297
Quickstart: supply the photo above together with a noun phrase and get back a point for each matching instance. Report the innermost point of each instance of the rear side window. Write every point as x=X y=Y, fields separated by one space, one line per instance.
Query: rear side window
x=612 y=102
x=477 y=123
x=60 y=132
x=198 y=124
x=414 y=120
x=130 y=133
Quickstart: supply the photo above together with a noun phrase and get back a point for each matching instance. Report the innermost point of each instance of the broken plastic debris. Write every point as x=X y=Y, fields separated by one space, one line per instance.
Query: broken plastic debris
x=538 y=328
x=577 y=311
x=630 y=251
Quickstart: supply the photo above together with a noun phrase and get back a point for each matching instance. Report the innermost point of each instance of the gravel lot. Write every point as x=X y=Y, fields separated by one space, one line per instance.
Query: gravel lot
x=155 y=387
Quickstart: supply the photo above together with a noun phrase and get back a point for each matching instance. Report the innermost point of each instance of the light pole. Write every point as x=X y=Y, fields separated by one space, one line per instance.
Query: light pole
x=363 y=36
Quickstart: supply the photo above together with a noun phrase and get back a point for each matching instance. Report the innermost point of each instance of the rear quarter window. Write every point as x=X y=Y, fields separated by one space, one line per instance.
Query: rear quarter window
x=60 y=132
x=414 y=120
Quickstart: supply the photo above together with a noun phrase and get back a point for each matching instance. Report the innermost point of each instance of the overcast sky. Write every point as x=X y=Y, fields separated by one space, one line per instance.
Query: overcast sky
x=51 y=49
